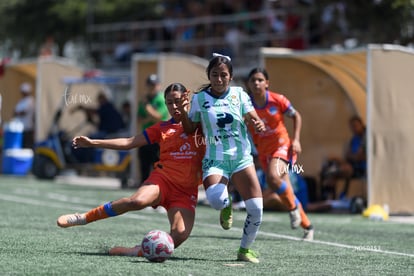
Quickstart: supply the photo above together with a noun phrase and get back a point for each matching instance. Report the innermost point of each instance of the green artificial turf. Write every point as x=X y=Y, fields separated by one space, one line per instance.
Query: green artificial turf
x=32 y=244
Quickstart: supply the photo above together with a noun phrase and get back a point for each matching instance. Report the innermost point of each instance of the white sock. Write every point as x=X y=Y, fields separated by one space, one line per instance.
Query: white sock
x=217 y=196
x=254 y=209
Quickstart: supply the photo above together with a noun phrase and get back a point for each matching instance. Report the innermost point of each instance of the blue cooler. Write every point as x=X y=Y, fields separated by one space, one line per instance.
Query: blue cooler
x=13 y=135
x=17 y=161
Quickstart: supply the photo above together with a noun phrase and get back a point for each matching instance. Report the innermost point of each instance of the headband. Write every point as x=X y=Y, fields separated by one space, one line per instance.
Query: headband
x=220 y=55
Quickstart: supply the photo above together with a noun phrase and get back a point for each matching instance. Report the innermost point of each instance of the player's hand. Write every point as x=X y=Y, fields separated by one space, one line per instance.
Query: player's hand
x=184 y=102
x=259 y=126
x=81 y=142
x=296 y=147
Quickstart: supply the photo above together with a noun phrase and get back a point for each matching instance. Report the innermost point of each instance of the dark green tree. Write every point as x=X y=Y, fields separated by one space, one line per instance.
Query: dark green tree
x=27 y=23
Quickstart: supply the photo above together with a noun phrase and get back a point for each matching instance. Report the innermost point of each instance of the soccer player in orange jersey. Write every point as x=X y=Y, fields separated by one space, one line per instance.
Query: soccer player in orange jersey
x=172 y=184
x=277 y=152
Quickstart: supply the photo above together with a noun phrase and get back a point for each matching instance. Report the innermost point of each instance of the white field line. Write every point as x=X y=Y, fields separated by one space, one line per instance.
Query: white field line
x=25 y=200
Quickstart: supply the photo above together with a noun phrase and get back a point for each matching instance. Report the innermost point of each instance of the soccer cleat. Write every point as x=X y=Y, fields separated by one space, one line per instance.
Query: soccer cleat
x=126 y=251
x=226 y=215
x=308 y=234
x=295 y=218
x=71 y=220
x=247 y=255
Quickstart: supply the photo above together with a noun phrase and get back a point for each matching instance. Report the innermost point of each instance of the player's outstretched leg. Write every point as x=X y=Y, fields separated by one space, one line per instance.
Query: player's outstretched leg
x=71 y=220
x=146 y=195
x=100 y=212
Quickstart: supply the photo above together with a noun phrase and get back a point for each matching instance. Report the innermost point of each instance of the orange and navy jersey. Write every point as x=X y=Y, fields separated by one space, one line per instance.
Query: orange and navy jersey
x=276 y=135
x=180 y=154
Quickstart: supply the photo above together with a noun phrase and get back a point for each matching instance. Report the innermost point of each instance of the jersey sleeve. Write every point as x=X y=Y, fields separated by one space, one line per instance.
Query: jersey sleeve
x=246 y=102
x=285 y=105
x=153 y=133
x=194 y=113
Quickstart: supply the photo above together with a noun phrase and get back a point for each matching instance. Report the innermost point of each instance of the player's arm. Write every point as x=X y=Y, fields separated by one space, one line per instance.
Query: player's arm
x=188 y=125
x=157 y=111
x=254 y=120
x=297 y=126
x=152 y=112
x=116 y=144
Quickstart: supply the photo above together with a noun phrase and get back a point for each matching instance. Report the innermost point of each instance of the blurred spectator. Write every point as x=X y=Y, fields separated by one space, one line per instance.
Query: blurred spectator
x=25 y=112
x=49 y=48
x=0 y=106
x=150 y=111
x=106 y=117
x=278 y=24
x=295 y=32
x=76 y=50
x=108 y=121
x=334 y=23
x=219 y=31
x=353 y=165
x=1 y=128
x=126 y=114
x=235 y=37
x=123 y=50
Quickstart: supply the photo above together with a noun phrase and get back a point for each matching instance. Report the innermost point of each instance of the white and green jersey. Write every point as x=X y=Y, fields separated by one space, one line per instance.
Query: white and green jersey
x=223 y=124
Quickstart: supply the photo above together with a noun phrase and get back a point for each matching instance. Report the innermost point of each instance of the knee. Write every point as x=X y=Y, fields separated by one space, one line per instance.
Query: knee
x=179 y=237
x=217 y=196
x=274 y=178
x=136 y=203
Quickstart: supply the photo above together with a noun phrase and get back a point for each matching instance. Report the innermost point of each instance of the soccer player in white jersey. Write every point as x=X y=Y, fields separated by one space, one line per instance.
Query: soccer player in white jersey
x=222 y=111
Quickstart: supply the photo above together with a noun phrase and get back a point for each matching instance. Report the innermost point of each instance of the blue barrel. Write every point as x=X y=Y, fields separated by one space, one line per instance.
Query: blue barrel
x=13 y=135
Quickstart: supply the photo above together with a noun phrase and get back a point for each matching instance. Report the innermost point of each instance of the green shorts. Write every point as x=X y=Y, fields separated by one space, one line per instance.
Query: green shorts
x=225 y=167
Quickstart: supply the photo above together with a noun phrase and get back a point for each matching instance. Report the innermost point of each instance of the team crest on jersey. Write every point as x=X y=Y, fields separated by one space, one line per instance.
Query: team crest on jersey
x=273 y=110
x=234 y=100
x=186 y=146
x=184 y=153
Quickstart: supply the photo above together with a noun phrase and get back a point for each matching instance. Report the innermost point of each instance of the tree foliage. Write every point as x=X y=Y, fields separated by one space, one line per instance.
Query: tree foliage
x=26 y=23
